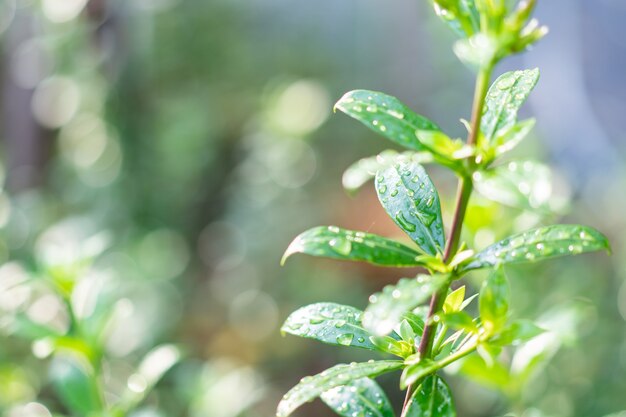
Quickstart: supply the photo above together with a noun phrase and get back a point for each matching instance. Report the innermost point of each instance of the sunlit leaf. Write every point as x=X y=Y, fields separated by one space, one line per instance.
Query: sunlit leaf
x=312 y=387
x=406 y=332
x=390 y=345
x=432 y=399
x=330 y=323
x=415 y=372
x=386 y=308
x=521 y=184
x=507 y=140
x=460 y=320
x=361 y=397
x=415 y=321
x=411 y=200
x=365 y=169
x=333 y=242
x=538 y=244
x=454 y=300
x=461 y=16
x=494 y=376
x=442 y=145
x=151 y=369
x=75 y=383
x=386 y=115
x=507 y=94
x=517 y=332
x=25 y=327
x=493 y=301
x=478 y=51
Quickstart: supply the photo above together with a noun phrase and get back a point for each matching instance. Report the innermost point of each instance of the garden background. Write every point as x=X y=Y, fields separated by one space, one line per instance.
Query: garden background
x=158 y=156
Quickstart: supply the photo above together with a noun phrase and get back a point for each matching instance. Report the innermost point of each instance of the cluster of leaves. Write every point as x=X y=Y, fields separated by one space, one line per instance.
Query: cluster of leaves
x=396 y=322
x=75 y=344
x=489 y=30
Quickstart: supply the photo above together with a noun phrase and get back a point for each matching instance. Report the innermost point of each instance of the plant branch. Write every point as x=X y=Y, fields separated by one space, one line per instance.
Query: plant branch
x=463 y=196
x=464 y=193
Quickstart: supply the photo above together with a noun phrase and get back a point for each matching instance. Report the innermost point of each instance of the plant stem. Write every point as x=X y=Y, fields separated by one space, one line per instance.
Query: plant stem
x=464 y=193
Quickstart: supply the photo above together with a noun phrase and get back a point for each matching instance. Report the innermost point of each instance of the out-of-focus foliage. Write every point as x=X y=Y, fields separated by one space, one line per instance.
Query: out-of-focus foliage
x=158 y=156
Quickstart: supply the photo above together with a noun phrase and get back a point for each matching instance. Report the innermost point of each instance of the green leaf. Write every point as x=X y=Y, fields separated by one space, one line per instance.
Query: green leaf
x=494 y=301
x=386 y=115
x=509 y=139
x=538 y=244
x=517 y=332
x=521 y=184
x=411 y=200
x=504 y=99
x=460 y=320
x=406 y=332
x=75 y=384
x=415 y=372
x=450 y=149
x=415 y=321
x=454 y=300
x=387 y=308
x=312 y=387
x=330 y=323
x=336 y=243
x=432 y=399
x=25 y=327
x=150 y=371
x=390 y=345
x=479 y=51
x=361 y=397
x=461 y=16
x=365 y=169
x=494 y=376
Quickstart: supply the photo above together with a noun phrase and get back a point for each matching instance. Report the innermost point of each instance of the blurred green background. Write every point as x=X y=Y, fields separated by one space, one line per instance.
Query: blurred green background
x=159 y=155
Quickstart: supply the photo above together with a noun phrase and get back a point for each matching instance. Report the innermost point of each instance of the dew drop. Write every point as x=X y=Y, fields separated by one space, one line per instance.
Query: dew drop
x=404 y=223
x=340 y=324
x=394 y=193
x=361 y=339
x=506 y=83
x=341 y=246
x=426 y=218
x=396 y=294
x=396 y=114
x=382 y=189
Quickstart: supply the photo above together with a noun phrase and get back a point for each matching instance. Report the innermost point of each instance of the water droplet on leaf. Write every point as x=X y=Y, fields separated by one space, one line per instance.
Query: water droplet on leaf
x=341 y=246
